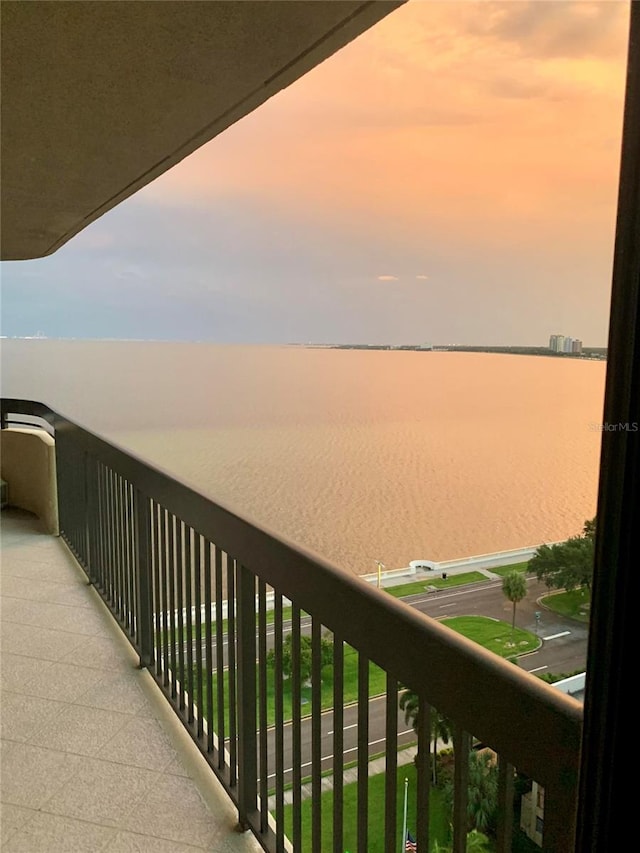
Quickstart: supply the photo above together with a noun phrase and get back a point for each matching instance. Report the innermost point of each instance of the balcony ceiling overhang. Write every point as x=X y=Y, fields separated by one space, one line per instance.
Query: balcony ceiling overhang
x=98 y=99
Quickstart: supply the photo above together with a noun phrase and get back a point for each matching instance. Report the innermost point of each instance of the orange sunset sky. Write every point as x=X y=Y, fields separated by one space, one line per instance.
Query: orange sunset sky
x=450 y=177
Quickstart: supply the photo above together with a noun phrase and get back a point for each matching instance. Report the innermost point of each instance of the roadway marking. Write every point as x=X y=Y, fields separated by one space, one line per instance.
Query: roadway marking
x=436 y=597
x=556 y=636
x=537 y=669
x=352 y=726
x=331 y=757
x=453 y=604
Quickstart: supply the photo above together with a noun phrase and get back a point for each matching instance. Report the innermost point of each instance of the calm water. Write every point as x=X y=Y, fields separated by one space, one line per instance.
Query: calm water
x=357 y=455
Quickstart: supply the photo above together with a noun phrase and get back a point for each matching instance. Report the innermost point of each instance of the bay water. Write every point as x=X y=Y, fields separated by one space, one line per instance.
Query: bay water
x=358 y=455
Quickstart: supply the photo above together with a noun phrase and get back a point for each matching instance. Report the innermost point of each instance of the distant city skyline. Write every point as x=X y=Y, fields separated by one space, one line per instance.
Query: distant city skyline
x=449 y=176
x=564 y=343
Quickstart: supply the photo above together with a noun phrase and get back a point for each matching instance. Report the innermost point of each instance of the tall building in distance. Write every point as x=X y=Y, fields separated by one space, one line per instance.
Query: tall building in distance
x=562 y=343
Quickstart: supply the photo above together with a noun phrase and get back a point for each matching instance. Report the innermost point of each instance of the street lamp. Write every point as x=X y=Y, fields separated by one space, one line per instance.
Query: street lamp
x=380 y=566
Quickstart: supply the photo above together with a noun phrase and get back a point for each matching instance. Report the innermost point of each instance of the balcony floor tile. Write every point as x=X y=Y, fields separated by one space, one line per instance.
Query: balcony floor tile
x=17 y=670
x=23 y=716
x=92 y=757
x=12 y=819
x=57 y=834
x=131 y=842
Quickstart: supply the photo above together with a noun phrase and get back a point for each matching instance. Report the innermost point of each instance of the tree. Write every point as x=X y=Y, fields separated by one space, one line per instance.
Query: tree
x=589 y=529
x=569 y=564
x=439 y=730
x=306 y=655
x=482 y=807
x=514 y=587
x=482 y=802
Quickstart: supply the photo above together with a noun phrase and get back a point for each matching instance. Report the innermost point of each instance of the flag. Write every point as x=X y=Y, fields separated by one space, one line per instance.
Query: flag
x=410 y=844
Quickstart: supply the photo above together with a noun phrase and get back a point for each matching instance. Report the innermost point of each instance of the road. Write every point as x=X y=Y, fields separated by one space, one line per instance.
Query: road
x=565 y=642
x=563 y=650
x=350 y=735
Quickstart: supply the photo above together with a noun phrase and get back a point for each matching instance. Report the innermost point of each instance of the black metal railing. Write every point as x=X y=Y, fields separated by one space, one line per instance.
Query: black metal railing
x=231 y=620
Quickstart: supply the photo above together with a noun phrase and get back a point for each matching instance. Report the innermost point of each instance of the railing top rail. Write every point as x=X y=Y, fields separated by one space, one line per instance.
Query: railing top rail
x=29 y=409
x=515 y=713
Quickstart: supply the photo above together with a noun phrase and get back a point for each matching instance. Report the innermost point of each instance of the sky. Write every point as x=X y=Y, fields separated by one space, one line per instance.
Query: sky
x=448 y=177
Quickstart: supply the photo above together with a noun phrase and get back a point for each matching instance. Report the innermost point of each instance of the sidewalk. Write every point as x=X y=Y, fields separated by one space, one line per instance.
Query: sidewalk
x=377 y=766
x=423 y=575
x=93 y=757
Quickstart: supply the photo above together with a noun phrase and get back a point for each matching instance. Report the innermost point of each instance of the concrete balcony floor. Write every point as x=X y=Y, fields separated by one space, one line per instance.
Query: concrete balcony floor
x=93 y=758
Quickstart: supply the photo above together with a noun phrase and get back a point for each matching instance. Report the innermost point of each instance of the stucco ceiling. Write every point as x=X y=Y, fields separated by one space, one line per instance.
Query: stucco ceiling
x=99 y=98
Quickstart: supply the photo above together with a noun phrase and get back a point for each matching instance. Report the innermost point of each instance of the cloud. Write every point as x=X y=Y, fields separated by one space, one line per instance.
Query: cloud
x=388 y=278
x=422 y=277
x=555 y=30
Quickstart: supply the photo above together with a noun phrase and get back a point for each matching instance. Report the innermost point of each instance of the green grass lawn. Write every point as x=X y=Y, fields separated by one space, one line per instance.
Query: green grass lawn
x=494 y=634
x=416 y=587
x=575 y=604
x=377 y=685
x=438 y=821
x=514 y=567
x=270 y=619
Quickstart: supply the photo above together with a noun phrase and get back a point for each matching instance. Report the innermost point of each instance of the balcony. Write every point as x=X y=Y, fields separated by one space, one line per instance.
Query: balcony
x=206 y=600
x=188 y=582
x=92 y=757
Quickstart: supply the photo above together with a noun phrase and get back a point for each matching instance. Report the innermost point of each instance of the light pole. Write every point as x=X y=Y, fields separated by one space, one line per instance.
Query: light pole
x=380 y=566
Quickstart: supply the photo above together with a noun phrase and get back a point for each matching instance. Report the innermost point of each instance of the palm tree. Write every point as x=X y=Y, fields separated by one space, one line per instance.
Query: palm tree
x=483 y=791
x=514 y=587
x=440 y=728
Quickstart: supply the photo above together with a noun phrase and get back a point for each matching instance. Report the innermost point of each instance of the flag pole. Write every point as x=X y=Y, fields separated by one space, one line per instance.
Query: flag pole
x=404 y=817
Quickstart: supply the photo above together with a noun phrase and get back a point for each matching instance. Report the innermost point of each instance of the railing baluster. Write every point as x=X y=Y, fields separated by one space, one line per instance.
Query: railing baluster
x=461 y=746
x=155 y=568
x=165 y=581
x=231 y=652
x=144 y=614
x=92 y=518
x=338 y=742
x=560 y=808
x=247 y=698
x=197 y=585
x=105 y=532
x=83 y=515
x=124 y=513
x=262 y=687
x=131 y=558
x=222 y=688
x=188 y=618
x=98 y=574
x=115 y=542
x=391 y=754
x=172 y=578
x=111 y=540
x=180 y=611
x=122 y=518
x=208 y=615
x=117 y=494
x=363 y=753
x=316 y=737
x=279 y=718
x=296 y=752
x=424 y=773
x=505 y=806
